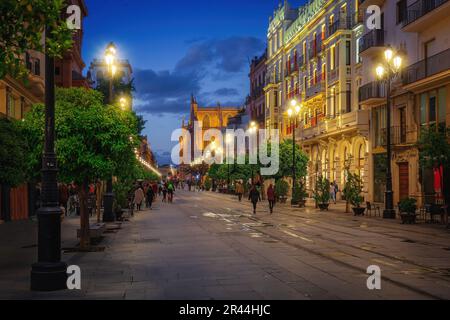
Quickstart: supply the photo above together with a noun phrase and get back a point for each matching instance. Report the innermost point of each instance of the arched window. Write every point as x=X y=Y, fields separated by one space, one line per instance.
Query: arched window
x=206 y=122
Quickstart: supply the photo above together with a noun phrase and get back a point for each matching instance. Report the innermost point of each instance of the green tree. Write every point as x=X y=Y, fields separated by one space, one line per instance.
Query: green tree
x=93 y=141
x=434 y=147
x=13 y=150
x=286 y=158
x=22 y=25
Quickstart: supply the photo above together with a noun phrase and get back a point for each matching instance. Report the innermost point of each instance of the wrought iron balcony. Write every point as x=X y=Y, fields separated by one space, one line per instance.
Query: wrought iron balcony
x=420 y=8
x=342 y=24
x=427 y=67
x=315 y=89
x=373 y=39
x=400 y=135
x=372 y=91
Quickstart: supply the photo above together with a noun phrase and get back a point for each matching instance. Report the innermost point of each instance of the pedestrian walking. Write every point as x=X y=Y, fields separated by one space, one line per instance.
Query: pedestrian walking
x=139 y=198
x=170 y=191
x=254 y=196
x=336 y=189
x=333 y=192
x=150 y=197
x=239 y=190
x=164 y=192
x=271 y=197
x=63 y=193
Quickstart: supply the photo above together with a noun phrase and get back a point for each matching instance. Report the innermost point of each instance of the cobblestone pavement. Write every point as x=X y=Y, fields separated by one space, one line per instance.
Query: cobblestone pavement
x=210 y=246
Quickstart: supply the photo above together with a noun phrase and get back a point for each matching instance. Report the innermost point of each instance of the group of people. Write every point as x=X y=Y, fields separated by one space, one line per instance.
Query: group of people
x=148 y=192
x=254 y=195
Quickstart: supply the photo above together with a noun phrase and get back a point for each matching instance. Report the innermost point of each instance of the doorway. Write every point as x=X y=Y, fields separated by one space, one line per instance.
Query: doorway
x=403 y=169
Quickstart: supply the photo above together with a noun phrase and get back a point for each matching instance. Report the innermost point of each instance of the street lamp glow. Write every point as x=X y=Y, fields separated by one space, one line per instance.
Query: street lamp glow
x=293 y=102
x=380 y=71
x=290 y=112
x=388 y=54
x=297 y=109
x=397 y=62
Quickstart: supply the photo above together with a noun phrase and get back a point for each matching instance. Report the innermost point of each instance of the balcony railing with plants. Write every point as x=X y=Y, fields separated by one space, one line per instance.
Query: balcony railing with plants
x=372 y=90
x=420 y=8
x=374 y=38
x=427 y=67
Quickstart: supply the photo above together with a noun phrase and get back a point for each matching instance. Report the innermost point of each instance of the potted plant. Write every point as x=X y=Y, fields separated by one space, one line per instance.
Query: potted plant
x=281 y=190
x=322 y=193
x=352 y=193
x=208 y=184
x=407 y=208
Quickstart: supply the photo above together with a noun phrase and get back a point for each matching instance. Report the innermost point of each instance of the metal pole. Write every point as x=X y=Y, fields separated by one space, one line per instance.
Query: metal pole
x=108 y=197
x=49 y=273
x=389 y=212
x=294 y=177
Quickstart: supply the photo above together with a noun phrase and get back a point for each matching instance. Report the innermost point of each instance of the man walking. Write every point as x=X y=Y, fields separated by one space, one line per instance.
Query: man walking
x=139 y=198
x=150 y=197
x=239 y=190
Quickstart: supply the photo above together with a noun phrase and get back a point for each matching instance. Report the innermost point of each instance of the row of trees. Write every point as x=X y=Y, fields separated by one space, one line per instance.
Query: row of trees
x=245 y=172
x=94 y=141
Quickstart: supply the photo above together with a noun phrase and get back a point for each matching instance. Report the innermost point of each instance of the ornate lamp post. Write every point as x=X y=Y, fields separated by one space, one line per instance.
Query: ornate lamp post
x=253 y=130
x=293 y=113
x=228 y=141
x=49 y=273
x=387 y=71
x=108 y=198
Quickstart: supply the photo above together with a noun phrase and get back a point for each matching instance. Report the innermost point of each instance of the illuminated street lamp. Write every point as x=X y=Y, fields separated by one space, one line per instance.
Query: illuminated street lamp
x=228 y=142
x=123 y=103
x=387 y=71
x=253 y=129
x=293 y=113
x=108 y=197
x=49 y=273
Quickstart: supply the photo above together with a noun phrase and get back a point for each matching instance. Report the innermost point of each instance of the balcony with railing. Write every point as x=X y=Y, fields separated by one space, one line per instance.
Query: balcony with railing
x=372 y=93
x=436 y=67
x=315 y=47
x=371 y=42
x=333 y=75
x=273 y=79
x=316 y=88
x=329 y=125
x=363 y=4
x=341 y=24
x=424 y=13
x=400 y=135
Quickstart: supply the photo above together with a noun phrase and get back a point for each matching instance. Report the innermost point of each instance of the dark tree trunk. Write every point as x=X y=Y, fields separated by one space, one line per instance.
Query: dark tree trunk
x=85 y=240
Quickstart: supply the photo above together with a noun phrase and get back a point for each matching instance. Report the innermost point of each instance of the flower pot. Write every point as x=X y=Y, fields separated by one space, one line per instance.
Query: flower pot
x=358 y=211
x=282 y=199
x=324 y=206
x=408 y=218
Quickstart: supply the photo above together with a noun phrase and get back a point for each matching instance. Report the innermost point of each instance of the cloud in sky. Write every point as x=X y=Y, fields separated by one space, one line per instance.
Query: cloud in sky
x=168 y=92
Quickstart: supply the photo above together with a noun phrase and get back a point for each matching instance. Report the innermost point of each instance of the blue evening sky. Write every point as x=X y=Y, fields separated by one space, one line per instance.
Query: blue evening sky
x=178 y=47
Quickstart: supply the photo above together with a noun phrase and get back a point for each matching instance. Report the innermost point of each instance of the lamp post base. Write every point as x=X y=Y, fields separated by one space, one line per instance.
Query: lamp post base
x=48 y=277
x=108 y=215
x=389 y=214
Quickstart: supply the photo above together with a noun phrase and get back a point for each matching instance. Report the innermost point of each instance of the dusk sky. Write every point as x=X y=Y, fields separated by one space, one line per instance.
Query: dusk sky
x=180 y=47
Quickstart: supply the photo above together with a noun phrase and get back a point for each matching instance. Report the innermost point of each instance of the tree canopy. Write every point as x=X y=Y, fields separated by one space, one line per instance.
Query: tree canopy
x=22 y=26
x=93 y=141
x=13 y=150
